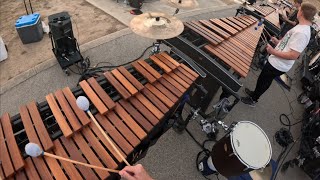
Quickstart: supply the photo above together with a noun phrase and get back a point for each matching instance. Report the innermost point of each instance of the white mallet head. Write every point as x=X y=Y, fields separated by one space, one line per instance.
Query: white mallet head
x=33 y=150
x=83 y=103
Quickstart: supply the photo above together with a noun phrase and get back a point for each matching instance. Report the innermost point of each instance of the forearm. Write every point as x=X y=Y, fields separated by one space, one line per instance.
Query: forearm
x=293 y=23
x=286 y=55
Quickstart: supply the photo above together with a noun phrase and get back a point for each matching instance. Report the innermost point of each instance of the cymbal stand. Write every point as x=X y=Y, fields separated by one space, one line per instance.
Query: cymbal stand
x=156 y=47
x=177 y=10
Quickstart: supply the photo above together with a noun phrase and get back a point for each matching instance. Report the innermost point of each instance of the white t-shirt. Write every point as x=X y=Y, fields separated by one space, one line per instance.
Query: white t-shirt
x=296 y=39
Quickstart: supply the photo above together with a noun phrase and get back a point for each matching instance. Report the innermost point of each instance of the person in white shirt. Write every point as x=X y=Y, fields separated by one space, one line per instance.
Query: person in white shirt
x=283 y=56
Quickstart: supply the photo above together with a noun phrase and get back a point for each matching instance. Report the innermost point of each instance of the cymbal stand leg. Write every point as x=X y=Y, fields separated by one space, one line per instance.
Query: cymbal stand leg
x=176 y=11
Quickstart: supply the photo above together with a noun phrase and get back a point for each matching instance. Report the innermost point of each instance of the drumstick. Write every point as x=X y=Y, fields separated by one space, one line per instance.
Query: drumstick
x=34 y=150
x=267 y=32
x=264 y=38
x=83 y=103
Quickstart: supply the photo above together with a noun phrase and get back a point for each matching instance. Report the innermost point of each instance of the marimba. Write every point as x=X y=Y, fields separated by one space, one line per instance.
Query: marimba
x=269 y=13
x=224 y=48
x=130 y=103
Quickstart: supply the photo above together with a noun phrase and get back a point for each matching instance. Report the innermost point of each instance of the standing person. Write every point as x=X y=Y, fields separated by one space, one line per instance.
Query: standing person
x=283 y=56
x=291 y=20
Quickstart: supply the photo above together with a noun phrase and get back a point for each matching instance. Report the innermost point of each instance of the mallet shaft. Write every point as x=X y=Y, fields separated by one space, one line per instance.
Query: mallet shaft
x=107 y=137
x=81 y=163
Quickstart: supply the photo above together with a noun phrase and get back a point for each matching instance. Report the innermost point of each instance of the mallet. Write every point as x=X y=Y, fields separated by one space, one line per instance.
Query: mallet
x=83 y=103
x=264 y=38
x=259 y=24
x=34 y=150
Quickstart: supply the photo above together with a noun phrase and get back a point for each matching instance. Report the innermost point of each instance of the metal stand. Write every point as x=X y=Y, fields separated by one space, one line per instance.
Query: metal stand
x=156 y=47
x=213 y=75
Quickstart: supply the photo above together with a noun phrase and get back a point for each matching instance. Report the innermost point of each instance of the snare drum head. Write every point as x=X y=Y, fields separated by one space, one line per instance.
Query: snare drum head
x=251 y=145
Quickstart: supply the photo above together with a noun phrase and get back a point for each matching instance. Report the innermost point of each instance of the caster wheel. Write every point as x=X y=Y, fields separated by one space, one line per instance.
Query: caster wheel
x=179 y=125
x=67 y=72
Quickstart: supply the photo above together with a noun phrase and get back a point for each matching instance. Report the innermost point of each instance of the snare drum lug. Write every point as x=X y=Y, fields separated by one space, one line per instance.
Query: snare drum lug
x=231 y=154
x=245 y=169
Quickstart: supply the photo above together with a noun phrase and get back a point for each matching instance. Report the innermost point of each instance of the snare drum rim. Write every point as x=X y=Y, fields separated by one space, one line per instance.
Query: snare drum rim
x=235 y=152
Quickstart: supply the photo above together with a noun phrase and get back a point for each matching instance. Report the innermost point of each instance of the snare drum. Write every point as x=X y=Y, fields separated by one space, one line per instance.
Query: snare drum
x=245 y=148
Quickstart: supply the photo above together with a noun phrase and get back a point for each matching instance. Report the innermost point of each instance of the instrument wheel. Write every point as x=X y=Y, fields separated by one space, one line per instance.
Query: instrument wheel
x=179 y=125
x=66 y=71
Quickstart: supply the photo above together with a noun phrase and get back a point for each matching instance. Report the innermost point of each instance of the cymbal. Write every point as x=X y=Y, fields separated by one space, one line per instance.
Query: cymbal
x=181 y=4
x=155 y=25
x=264 y=174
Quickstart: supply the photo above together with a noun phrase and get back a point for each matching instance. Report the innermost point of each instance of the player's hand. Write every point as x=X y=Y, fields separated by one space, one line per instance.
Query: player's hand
x=136 y=172
x=274 y=40
x=285 y=18
x=269 y=49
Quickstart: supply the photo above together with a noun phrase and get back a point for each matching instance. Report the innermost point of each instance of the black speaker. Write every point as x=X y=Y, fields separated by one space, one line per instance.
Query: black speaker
x=60 y=24
x=64 y=45
x=61 y=33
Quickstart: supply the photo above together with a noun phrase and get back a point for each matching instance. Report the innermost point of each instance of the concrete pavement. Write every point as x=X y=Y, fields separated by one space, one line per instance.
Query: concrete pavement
x=121 y=11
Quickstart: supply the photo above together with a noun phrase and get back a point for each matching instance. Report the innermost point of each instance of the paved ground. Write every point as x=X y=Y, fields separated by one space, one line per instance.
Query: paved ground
x=89 y=23
x=173 y=157
x=121 y=11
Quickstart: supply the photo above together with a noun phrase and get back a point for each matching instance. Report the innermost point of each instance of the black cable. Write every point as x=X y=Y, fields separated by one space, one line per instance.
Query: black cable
x=97 y=65
x=279 y=167
x=130 y=61
x=288 y=120
x=281 y=154
x=73 y=71
x=94 y=71
x=317 y=177
x=290 y=103
x=195 y=139
x=288 y=124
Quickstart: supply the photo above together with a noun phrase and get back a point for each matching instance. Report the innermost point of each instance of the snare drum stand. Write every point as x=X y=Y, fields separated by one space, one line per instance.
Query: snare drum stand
x=195 y=111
